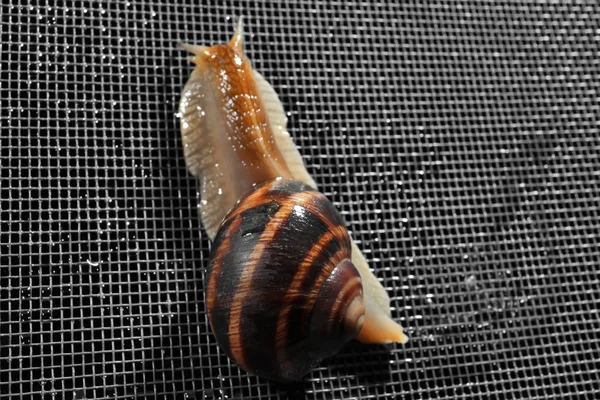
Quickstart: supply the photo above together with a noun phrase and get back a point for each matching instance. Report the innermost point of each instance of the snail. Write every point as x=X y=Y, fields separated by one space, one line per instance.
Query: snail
x=286 y=286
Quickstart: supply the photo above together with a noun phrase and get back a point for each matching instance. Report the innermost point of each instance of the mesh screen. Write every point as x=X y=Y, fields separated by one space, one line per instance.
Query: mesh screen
x=460 y=141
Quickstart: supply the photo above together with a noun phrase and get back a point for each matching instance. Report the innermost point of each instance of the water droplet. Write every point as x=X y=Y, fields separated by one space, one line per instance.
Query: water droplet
x=25 y=315
x=26 y=292
x=93 y=264
x=25 y=339
x=47 y=313
x=471 y=281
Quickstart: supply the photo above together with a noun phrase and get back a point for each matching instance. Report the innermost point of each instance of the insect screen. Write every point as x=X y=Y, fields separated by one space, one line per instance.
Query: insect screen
x=459 y=141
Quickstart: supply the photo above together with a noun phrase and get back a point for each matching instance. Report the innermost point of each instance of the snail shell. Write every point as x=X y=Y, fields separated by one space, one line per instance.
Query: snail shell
x=282 y=293
x=287 y=287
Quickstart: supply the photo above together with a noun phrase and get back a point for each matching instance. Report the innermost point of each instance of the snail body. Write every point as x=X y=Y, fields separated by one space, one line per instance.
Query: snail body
x=286 y=285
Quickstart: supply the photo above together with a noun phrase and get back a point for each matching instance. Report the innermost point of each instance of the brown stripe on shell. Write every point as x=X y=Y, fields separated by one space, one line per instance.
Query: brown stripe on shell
x=336 y=225
x=278 y=266
x=244 y=286
x=220 y=251
x=305 y=267
x=303 y=310
x=252 y=199
x=222 y=245
x=330 y=216
x=254 y=210
x=216 y=265
x=274 y=190
x=341 y=254
x=298 y=328
x=242 y=241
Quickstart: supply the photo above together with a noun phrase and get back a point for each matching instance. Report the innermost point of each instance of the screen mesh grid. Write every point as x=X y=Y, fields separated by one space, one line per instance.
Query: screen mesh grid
x=459 y=140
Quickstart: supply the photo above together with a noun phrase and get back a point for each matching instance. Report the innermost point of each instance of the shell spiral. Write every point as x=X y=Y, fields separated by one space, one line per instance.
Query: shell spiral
x=282 y=294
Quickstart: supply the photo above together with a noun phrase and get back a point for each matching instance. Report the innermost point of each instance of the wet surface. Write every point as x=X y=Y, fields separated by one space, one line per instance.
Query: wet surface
x=460 y=144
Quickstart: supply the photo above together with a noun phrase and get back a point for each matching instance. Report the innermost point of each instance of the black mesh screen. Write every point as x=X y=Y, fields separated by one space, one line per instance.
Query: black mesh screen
x=460 y=141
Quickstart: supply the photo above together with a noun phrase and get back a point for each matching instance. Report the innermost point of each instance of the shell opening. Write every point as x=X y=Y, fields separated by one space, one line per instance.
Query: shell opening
x=355 y=316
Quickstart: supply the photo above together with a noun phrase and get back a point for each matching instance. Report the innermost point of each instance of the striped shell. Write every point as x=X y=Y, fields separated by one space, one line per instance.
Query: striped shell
x=282 y=293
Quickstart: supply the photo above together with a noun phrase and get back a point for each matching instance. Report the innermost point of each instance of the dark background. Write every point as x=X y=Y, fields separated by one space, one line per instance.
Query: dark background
x=460 y=141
